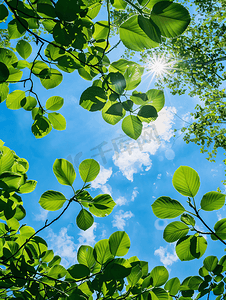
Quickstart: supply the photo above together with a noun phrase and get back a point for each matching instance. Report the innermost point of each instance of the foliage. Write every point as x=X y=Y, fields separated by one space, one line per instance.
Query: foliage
x=196 y=62
x=77 y=42
x=31 y=271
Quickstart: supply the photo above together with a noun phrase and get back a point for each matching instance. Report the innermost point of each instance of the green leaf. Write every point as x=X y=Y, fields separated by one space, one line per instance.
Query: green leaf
x=173 y=286
x=14 y=74
x=171 y=18
x=113 y=112
x=160 y=294
x=10 y=179
x=101 y=30
x=134 y=275
x=64 y=171
x=50 y=78
x=133 y=76
x=41 y=126
x=84 y=219
x=102 y=252
x=54 y=103
x=139 y=98
x=194 y=282
x=174 y=231
x=14 y=99
x=6 y=159
x=29 y=103
x=102 y=205
x=191 y=247
x=159 y=275
x=220 y=229
x=139 y=33
x=119 y=243
x=187 y=219
x=119 y=4
x=24 y=49
x=147 y=113
x=210 y=263
x=116 y=82
x=4 y=73
x=212 y=201
x=3 y=12
x=132 y=126
x=156 y=98
x=167 y=208
x=115 y=271
x=20 y=213
x=89 y=169
x=17 y=28
x=79 y=271
x=28 y=187
x=48 y=256
x=52 y=200
x=219 y=289
x=4 y=90
x=38 y=67
x=67 y=11
x=186 y=181
x=57 y=272
x=7 y=57
x=120 y=65
x=57 y=120
x=85 y=256
x=93 y=98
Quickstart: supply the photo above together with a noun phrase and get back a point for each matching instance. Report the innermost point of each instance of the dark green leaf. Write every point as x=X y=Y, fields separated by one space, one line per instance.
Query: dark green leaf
x=79 y=271
x=171 y=18
x=93 y=98
x=84 y=219
x=4 y=73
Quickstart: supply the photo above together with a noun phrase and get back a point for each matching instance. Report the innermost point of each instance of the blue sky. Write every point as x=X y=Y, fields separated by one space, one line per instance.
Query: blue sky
x=135 y=175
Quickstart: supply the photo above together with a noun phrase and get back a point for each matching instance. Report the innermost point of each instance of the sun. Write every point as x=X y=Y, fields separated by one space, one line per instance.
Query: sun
x=159 y=65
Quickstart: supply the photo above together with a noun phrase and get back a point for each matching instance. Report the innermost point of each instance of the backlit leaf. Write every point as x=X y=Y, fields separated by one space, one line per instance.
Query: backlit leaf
x=89 y=169
x=186 y=181
x=52 y=200
x=167 y=208
x=64 y=171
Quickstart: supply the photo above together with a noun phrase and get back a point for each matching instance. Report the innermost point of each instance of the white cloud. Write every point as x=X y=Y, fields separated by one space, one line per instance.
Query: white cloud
x=120 y=217
x=42 y=216
x=166 y=257
x=88 y=237
x=134 y=194
x=102 y=178
x=135 y=155
x=63 y=245
x=121 y=201
x=159 y=176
